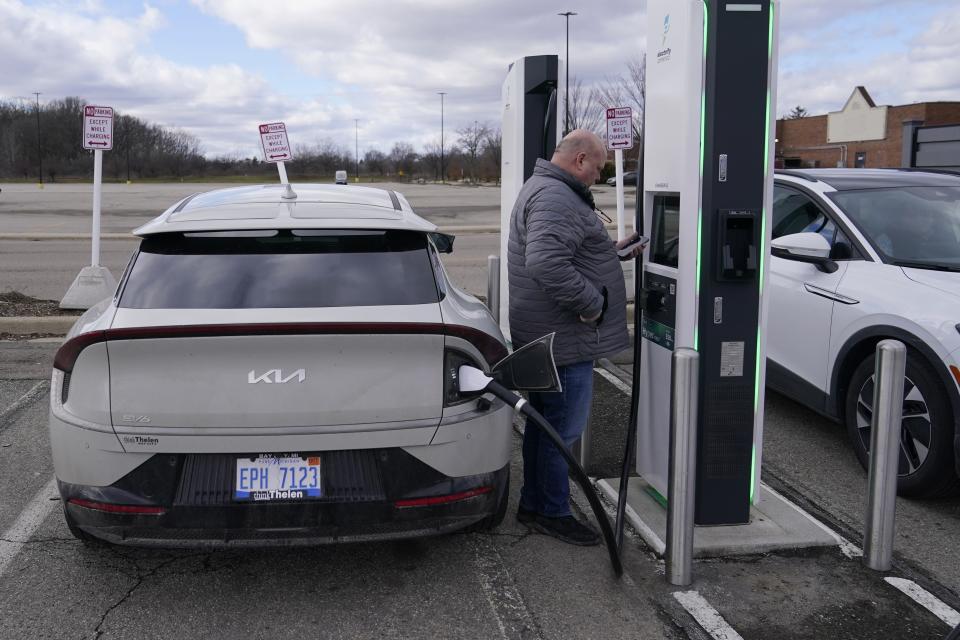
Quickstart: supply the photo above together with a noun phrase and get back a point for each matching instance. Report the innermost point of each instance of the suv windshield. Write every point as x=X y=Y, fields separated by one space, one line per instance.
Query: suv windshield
x=280 y=269
x=909 y=226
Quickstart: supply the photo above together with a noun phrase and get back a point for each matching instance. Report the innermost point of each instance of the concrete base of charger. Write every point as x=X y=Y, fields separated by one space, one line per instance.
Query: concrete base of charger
x=775 y=523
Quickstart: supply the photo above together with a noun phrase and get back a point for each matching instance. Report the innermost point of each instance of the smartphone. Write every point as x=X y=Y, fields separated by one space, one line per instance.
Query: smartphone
x=627 y=250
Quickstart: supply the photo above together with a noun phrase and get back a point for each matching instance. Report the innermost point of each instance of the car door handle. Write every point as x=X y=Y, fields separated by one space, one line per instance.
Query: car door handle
x=830 y=295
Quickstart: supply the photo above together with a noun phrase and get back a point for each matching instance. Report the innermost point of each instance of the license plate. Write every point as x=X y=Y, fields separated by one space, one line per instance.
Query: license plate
x=277 y=477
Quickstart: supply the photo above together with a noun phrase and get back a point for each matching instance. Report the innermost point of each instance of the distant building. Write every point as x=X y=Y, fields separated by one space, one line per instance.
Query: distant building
x=925 y=134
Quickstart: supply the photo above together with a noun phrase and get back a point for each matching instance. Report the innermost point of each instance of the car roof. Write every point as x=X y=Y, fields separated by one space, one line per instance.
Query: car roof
x=849 y=179
x=264 y=206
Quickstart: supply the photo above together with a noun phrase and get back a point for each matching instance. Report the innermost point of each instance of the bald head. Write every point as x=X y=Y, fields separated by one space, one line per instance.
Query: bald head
x=582 y=154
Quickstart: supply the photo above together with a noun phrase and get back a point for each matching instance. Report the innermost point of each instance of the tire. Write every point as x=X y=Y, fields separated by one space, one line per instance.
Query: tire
x=493 y=521
x=926 y=467
x=77 y=532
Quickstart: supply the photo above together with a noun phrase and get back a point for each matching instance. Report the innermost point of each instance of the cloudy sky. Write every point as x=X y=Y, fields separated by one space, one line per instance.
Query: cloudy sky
x=218 y=67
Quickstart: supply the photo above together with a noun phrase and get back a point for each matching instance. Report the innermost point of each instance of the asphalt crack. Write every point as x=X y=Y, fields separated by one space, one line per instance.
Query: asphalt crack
x=139 y=580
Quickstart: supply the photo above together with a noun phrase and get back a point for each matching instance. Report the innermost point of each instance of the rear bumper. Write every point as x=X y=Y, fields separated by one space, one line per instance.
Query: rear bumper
x=361 y=491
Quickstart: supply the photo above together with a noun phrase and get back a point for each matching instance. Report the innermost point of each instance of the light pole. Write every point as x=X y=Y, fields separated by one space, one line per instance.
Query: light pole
x=39 y=148
x=356 y=148
x=566 y=100
x=441 y=93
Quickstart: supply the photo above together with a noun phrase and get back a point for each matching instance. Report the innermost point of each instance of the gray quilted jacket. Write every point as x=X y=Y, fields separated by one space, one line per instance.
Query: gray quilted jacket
x=560 y=262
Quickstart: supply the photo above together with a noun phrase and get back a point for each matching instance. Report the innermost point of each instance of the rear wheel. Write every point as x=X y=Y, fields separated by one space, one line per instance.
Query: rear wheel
x=926 y=467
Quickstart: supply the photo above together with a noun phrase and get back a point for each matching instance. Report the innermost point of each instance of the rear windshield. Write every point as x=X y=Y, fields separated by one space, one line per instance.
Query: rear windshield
x=278 y=269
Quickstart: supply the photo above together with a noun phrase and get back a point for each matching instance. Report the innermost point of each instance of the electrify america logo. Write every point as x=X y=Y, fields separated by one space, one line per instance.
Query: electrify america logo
x=664 y=54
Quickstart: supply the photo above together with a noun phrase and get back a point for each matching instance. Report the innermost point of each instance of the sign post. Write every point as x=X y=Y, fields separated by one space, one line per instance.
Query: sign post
x=276 y=146
x=619 y=137
x=94 y=283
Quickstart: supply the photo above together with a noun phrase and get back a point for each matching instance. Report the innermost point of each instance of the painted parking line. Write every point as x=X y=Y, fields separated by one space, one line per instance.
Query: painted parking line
x=614 y=380
x=35 y=392
x=927 y=600
x=26 y=524
x=706 y=616
x=507 y=604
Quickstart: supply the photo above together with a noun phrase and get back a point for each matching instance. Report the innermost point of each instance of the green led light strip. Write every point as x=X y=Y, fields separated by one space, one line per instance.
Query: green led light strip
x=703 y=150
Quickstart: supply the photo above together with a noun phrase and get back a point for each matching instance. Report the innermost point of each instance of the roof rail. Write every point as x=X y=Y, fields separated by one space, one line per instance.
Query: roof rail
x=395 y=200
x=949 y=172
x=185 y=201
x=795 y=174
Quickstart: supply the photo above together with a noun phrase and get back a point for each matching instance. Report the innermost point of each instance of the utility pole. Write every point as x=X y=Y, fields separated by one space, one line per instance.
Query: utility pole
x=39 y=147
x=356 y=148
x=566 y=100
x=442 y=178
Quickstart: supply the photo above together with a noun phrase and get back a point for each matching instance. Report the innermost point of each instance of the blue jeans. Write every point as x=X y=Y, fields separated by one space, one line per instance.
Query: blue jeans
x=546 y=486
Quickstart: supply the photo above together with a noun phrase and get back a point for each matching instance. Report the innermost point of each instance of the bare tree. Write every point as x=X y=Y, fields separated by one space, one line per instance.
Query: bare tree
x=585 y=110
x=797 y=113
x=375 y=161
x=402 y=158
x=472 y=140
x=627 y=90
x=493 y=150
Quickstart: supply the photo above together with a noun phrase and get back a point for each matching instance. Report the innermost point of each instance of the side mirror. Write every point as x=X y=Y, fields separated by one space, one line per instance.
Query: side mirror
x=530 y=368
x=443 y=242
x=808 y=247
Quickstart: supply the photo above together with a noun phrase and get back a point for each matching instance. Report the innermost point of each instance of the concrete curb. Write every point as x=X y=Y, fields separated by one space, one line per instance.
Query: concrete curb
x=37 y=324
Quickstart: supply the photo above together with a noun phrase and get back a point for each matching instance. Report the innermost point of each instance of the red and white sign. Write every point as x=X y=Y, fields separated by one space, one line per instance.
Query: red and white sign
x=97 y=128
x=276 y=147
x=620 y=128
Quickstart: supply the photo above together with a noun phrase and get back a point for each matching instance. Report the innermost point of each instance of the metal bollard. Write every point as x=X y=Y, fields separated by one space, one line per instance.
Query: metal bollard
x=885 y=428
x=493 y=286
x=682 y=470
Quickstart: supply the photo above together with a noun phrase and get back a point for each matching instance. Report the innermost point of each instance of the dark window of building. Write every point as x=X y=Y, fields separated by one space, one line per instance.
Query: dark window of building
x=860 y=161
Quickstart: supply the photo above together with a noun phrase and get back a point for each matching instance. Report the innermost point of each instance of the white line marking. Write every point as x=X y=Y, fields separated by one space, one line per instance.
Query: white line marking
x=507 y=604
x=27 y=523
x=924 y=598
x=22 y=401
x=706 y=616
x=614 y=380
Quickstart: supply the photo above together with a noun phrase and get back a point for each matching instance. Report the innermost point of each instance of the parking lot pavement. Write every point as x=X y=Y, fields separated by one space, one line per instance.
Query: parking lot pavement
x=505 y=584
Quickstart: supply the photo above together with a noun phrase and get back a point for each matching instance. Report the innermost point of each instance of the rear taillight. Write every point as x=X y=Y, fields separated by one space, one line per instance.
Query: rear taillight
x=431 y=501
x=132 y=509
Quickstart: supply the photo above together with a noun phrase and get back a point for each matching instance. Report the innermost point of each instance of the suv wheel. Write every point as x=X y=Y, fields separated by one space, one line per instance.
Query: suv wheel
x=926 y=467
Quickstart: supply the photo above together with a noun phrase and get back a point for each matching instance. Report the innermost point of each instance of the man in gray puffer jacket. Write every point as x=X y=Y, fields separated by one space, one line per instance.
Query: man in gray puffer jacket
x=564 y=277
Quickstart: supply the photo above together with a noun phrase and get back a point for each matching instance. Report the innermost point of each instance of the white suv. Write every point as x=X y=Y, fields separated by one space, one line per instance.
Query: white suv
x=860 y=255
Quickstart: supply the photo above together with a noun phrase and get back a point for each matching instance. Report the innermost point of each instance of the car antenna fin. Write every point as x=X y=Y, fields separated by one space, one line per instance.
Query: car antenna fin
x=288 y=192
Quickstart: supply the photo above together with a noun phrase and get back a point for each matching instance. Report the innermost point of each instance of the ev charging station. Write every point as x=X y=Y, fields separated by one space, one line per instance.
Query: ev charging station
x=705 y=198
x=532 y=98
x=707 y=189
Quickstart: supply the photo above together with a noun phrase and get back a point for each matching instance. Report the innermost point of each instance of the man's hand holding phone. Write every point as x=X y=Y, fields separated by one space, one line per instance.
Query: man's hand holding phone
x=631 y=247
